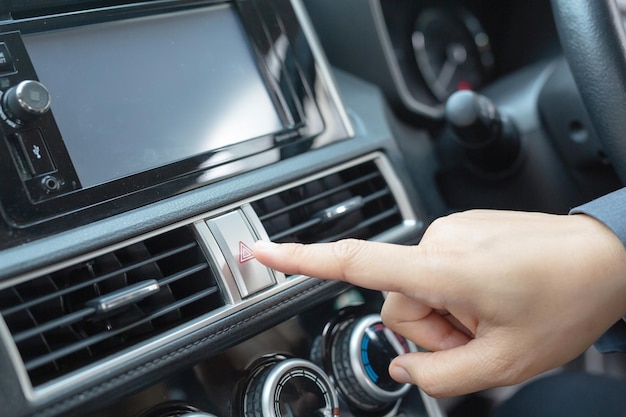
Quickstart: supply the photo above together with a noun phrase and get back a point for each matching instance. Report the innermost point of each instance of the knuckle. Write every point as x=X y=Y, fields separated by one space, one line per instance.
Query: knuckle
x=443 y=226
x=347 y=253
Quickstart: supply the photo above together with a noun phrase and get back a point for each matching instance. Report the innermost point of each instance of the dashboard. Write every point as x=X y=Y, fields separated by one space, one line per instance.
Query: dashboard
x=145 y=146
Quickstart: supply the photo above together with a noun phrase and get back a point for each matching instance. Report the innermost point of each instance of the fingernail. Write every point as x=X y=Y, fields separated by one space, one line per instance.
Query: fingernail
x=400 y=374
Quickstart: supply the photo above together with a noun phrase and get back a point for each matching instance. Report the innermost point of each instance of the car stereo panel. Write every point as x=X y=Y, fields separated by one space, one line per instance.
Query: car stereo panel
x=104 y=110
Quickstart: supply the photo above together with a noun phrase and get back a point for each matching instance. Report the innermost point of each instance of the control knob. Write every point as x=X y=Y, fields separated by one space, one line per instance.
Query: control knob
x=287 y=387
x=26 y=101
x=361 y=350
x=489 y=137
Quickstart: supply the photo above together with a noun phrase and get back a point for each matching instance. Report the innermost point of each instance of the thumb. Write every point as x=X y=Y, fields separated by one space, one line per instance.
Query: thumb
x=452 y=372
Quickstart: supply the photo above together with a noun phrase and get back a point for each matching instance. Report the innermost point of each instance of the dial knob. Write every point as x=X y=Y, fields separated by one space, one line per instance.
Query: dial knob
x=361 y=352
x=26 y=101
x=288 y=388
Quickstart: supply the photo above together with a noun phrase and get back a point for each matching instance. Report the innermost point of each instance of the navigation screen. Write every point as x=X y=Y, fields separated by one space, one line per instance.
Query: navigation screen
x=137 y=94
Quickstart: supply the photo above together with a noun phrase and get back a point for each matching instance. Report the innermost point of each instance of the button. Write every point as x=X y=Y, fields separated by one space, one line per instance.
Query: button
x=34 y=148
x=6 y=62
x=235 y=237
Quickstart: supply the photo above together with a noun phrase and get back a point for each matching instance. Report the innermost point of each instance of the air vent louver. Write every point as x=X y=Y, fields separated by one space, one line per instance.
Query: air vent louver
x=356 y=202
x=57 y=329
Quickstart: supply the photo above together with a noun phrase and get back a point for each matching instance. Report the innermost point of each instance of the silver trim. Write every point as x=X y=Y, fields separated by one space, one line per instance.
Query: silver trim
x=218 y=261
x=358 y=367
x=261 y=233
x=397 y=189
x=341 y=209
x=322 y=63
x=278 y=371
x=23 y=102
x=57 y=387
x=125 y=296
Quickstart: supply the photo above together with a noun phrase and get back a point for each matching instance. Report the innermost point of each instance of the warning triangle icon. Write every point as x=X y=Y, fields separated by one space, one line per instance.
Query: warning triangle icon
x=245 y=253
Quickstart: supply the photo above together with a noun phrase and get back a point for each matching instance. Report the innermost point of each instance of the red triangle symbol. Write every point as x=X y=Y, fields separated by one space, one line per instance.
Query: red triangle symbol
x=245 y=253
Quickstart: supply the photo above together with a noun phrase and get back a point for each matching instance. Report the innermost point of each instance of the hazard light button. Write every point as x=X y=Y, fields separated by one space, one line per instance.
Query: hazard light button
x=235 y=237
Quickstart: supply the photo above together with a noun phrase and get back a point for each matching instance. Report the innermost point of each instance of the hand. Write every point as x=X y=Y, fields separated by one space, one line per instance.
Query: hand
x=496 y=297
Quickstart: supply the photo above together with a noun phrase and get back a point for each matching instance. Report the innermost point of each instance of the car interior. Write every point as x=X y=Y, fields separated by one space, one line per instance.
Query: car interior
x=147 y=145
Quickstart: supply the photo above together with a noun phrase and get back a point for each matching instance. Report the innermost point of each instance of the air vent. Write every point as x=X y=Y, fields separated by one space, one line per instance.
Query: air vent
x=70 y=318
x=356 y=202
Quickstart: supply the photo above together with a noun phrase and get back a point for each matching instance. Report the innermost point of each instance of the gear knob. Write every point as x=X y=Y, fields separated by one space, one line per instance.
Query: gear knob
x=490 y=140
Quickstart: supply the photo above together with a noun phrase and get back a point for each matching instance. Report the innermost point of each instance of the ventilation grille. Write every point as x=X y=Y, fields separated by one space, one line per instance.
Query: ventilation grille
x=354 y=203
x=57 y=329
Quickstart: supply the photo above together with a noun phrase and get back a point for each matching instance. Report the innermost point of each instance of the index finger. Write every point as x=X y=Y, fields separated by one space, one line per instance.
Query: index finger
x=373 y=265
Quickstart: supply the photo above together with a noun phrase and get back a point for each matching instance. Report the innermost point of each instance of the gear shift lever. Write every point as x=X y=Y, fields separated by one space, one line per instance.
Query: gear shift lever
x=491 y=141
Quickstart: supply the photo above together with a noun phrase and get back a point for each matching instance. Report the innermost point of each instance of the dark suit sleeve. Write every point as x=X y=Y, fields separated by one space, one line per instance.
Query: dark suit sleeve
x=610 y=210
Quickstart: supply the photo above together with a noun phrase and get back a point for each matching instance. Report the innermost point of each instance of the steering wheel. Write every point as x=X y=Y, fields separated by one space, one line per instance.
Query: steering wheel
x=593 y=39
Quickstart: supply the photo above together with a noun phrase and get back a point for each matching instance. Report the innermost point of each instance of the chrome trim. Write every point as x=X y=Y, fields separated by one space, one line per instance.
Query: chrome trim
x=261 y=234
x=15 y=358
x=278 y=371
x=322 y=63
x=223 y=275
x=125 y=296
x=341 y=209
x=23 y=102
x=218 y=261
x=397 y=189
x=358 y=367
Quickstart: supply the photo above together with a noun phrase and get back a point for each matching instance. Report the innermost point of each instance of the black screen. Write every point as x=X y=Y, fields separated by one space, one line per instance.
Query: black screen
x=137 y=94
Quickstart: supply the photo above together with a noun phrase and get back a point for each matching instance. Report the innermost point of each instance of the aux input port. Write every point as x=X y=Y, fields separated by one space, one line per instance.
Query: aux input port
x=51 y=183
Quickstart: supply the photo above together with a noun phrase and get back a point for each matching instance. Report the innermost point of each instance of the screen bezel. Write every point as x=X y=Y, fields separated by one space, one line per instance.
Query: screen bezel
x=311 y=119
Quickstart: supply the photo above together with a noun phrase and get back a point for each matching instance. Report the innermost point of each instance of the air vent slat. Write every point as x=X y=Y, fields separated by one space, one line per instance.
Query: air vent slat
x=96 y=280
x=61 y=322
x=295 y=214
x=77 y=316
x=51 y=357
x=295 y=229
x=319 y=196
x=183 y=274
x=376 y=195
x=57 y=332
x=363 y=225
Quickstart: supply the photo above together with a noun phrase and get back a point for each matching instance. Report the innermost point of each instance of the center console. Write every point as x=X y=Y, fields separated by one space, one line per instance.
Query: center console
x=144 y=148
x=103 y=110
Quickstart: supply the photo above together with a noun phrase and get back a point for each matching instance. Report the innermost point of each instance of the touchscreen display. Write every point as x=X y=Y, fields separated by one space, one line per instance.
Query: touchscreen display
x=137 y=94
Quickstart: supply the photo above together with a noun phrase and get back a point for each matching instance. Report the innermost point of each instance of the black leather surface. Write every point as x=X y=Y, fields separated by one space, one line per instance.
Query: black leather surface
x=593 y=39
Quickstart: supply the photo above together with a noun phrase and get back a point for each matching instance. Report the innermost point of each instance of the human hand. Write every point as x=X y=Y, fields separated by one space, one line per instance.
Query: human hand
x=496 y=297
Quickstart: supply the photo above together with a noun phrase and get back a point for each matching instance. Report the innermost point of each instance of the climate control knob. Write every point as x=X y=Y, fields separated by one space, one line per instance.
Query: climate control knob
x=360 y=353
x=286 y=387
x=26 y=101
